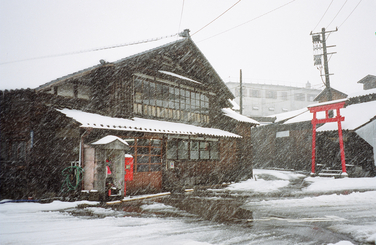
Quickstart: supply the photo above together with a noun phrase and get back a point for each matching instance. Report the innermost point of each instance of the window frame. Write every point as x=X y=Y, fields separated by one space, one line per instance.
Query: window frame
x=175 y=102
x=147 y=144
x=197 y=149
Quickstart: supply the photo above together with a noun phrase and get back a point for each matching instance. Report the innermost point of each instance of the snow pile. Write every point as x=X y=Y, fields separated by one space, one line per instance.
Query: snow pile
x=258 y=186
x=265 y=181
x=342 y=243
x=363 y=232
x=321 y=184
x=324 y=200
x=285 y=175
x=53 y=206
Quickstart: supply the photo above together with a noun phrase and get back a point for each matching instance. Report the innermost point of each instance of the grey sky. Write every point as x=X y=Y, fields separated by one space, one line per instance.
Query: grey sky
x=275 y=48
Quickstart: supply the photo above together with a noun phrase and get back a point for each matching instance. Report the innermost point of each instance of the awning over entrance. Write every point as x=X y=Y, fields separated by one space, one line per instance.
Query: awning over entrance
x=109 y=139
x=92 y=120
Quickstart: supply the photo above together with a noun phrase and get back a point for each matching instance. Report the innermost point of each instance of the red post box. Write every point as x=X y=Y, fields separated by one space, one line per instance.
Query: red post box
x=128 y=167
x=128 y=171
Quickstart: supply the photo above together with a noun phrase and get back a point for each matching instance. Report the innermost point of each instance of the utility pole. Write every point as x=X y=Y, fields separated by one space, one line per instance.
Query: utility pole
x=317 y=42
x=241 y=93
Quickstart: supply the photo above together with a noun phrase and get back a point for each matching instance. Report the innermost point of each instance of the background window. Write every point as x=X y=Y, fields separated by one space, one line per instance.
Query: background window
x=300 y=97
x=254 y=93
x=311 y=97
x=269 y=94
x=284 y=96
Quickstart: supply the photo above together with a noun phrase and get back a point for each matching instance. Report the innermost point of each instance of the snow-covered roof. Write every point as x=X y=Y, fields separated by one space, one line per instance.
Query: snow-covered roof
x=287 y=115
x=355 y=115
x=238 y=117
x=362 y=93
x=305 y=116
x=235 y=105
x=129 y=51
x=178 y=76
x=367 y=78
x=92 y=120
x=108 y=139
x=327 y=103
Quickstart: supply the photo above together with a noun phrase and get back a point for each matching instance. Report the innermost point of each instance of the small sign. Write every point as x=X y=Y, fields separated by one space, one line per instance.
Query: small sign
x=282 y=134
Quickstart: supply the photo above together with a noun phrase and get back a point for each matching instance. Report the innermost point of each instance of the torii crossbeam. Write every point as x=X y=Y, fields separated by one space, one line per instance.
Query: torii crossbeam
x=338 y=118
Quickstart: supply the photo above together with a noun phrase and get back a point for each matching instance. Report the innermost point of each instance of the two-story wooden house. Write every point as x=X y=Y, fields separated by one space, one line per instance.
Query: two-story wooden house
x=167 y=103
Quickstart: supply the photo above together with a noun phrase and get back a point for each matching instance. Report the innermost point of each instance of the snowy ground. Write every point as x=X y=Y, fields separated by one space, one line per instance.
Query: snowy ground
x=358 y=192
x=332 y=199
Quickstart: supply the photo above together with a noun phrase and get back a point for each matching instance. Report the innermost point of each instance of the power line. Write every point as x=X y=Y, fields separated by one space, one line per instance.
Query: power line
x=336 y=14
x=217 y=17
x=323 y=14
x=91 y=50
x=181 y=15
x=350 y=13
x=249 y=21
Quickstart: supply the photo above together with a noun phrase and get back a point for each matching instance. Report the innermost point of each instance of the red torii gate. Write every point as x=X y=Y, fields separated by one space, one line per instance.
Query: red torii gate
x=338 y=118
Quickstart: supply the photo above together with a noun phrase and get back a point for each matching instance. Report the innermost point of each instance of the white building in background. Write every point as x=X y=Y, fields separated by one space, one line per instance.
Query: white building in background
x=261 y=100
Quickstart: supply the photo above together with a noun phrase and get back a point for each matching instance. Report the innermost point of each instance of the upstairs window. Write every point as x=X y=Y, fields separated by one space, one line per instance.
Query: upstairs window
x=254 y=93
x=311 y=97
x=270 y=94
x=155 y=99
x=299 y=97
x=284 y=96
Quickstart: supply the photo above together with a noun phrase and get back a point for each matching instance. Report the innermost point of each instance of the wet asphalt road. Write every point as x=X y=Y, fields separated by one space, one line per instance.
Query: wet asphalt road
x=237 y=212
x=276 y=226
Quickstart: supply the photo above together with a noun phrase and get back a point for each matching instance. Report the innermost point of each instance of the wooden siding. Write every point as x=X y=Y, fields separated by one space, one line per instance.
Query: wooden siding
x=51 y=144
x=291 y=152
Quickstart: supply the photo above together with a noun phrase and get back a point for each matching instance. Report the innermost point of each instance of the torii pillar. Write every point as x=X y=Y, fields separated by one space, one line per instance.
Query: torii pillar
x=338 y=118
